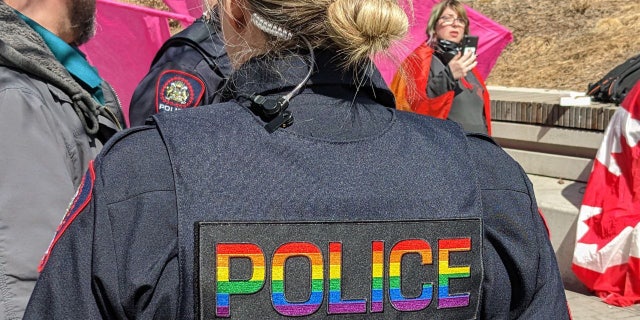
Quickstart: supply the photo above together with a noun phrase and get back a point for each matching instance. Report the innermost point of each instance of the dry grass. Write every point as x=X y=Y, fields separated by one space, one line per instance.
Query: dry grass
x=158 y=4
x=557 y=44
x=562 y=44
x=174 y=25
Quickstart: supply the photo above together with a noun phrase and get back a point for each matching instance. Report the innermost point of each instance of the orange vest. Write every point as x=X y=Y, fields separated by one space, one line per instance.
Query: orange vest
x=414 y=97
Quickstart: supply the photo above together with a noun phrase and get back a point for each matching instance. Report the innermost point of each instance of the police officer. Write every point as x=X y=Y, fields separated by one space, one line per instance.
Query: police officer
x=304 y=194
x=187 y=71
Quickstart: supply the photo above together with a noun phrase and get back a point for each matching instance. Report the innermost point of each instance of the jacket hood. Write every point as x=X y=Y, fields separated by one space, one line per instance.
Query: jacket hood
x=23 y=49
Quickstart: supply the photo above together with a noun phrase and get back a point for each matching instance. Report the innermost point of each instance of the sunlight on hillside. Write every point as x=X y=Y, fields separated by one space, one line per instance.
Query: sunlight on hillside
x=562 y=44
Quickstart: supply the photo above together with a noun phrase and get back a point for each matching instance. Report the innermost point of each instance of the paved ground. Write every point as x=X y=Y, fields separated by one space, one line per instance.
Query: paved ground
x=589 y=307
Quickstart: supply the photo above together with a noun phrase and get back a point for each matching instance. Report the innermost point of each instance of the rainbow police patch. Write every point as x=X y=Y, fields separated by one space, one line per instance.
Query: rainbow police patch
x=178 y=90
x=425 y=269
x=79 y=202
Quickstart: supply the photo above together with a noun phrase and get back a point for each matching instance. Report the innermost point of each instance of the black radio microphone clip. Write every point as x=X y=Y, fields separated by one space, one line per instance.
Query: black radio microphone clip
x=273 y=111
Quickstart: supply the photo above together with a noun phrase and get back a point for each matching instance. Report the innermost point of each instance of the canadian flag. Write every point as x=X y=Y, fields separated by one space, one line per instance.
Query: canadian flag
x=607 y=253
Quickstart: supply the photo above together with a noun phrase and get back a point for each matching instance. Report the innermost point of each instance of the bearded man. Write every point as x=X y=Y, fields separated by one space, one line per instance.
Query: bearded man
x=55 y=115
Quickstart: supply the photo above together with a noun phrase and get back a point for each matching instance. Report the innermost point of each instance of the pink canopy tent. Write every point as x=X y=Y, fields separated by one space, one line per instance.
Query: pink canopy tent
x=127 y=38
x=493 y=38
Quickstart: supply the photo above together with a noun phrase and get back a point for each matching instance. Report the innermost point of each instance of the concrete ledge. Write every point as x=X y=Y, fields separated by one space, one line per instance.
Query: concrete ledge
x=583 y=143
x=553 y=165
x=541 y=106
x=560 y=200
x=550 y=151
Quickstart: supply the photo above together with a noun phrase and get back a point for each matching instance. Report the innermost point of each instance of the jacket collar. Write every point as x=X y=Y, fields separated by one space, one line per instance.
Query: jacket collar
x=279 y=76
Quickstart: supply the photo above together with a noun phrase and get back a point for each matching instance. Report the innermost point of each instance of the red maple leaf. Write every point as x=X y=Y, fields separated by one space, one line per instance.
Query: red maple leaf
x=618 y=196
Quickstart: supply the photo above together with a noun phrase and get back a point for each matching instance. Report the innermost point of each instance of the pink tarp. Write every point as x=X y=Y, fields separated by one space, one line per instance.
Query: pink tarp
x=127 y=38
x=493 y=38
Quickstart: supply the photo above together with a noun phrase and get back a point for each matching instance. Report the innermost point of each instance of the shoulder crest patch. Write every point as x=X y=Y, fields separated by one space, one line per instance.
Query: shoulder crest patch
x=178 y=90
x=79 y=202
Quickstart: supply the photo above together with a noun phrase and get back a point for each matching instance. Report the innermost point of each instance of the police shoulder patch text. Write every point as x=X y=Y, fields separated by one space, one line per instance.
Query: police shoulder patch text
x=427 y=269
x=177 y=89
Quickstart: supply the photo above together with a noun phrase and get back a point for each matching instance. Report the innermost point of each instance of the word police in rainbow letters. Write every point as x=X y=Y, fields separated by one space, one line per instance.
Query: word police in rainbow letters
x=422 y=269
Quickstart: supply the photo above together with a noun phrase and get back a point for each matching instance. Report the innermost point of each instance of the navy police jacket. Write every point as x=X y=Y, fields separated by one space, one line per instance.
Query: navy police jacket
x=187 y=71
x=356 y=210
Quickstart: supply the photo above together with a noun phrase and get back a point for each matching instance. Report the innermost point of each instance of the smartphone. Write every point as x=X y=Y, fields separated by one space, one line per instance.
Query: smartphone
x=470 y=43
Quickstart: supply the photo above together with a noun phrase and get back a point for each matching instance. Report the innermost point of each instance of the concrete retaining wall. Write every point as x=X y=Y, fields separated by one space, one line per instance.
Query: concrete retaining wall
x=556 y=146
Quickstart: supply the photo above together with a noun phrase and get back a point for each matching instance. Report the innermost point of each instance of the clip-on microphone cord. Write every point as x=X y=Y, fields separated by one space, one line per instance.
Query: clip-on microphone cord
x=274 y=110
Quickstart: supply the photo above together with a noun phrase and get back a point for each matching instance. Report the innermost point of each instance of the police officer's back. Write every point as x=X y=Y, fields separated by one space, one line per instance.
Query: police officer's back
x=304 y=194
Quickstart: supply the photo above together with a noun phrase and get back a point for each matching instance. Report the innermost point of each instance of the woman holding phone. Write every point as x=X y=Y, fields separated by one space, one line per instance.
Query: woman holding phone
x=439 y=77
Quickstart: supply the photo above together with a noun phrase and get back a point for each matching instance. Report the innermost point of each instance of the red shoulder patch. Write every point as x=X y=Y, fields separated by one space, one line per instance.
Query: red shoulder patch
x=178 y=90
x=79 y=202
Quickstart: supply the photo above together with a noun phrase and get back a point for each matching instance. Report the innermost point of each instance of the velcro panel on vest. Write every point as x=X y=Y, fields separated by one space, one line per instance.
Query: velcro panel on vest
x=425 y=269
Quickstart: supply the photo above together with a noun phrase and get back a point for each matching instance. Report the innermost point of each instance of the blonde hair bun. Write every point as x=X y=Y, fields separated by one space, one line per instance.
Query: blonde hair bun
x=363 y=28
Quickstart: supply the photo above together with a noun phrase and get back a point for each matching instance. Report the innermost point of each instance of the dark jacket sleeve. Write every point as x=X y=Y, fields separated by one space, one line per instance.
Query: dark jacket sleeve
x=520 y=264
x=96 y=267
x=143 y=102
x=196 y=56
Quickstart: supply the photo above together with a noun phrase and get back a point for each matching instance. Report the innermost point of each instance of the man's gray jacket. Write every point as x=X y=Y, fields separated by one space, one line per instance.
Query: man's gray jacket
x=50 y=128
